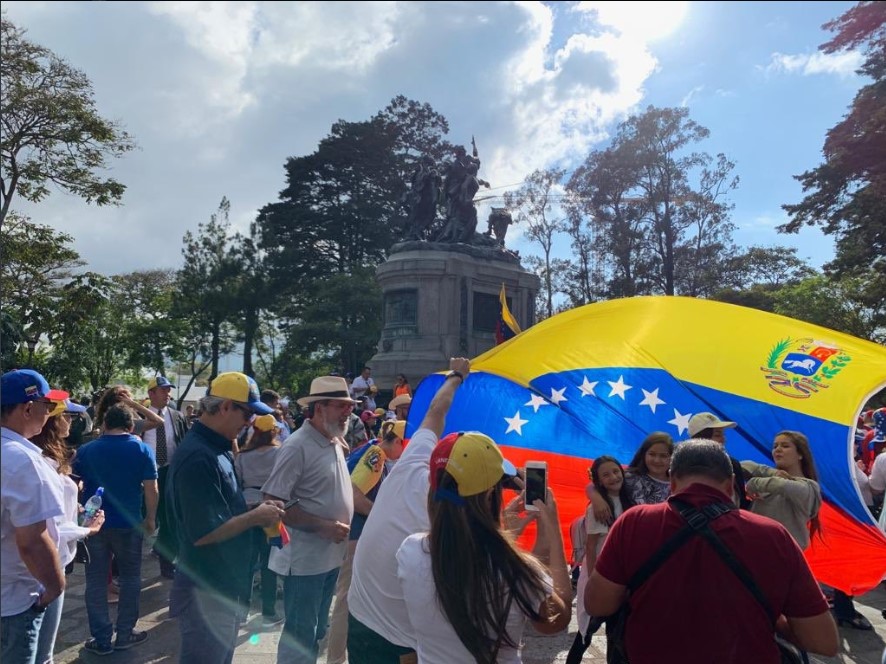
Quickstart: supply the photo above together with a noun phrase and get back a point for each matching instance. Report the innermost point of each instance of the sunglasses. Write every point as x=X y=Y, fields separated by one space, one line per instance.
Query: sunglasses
x=244 y=409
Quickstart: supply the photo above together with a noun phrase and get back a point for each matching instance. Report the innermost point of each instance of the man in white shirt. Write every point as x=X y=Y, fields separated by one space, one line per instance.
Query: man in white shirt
x=164 y=440
x=311 y=477
x=379 y=631
x=32 y=496
x=364 y=386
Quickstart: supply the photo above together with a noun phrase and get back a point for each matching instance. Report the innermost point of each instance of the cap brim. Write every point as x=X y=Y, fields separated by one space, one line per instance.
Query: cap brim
x=75 y=408
x=57 y=395
x=260 y=408
x=508 y=469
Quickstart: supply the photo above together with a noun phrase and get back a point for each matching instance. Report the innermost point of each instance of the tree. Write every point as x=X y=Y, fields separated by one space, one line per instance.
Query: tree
x=37 y=262
x=660 y=209
x=207 y=291
x=831 y=303
x=533 y=204
x=151 y=331
x=846 y=194
x=51 y=131
x=338 y=216
x=89 y=342
x=754 y=277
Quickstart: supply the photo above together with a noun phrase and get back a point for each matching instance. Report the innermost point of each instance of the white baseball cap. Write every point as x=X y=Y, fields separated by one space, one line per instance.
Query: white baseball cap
x=702 y=421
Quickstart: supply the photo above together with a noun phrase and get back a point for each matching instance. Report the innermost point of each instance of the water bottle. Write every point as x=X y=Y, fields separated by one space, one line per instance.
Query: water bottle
x=92 y=506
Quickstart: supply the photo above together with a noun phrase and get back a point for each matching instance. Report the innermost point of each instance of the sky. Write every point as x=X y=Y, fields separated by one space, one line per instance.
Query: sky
x=219 y=95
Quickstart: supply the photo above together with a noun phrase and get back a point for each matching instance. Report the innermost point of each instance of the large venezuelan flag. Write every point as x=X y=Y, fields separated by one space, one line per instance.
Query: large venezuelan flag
x=597 y=379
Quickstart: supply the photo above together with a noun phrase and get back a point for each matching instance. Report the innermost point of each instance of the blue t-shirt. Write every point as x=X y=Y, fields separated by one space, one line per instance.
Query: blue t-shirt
x=359 y=520
x=119 y=463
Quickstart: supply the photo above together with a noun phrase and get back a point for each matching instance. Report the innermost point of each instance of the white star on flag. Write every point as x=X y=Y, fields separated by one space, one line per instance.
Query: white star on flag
x=557 y=396
x=515 y=424
x=587 y=388
x=680 y=421
x=619 y=388
x=651 y=399
x=537 y=401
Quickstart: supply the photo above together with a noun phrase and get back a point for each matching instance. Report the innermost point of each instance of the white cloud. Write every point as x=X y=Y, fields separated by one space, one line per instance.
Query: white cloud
x=219 y=95
x=691 y=95
x=844 y=63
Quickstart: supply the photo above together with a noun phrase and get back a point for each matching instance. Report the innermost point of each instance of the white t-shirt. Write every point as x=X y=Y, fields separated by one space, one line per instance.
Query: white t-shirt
x=400 y=510
x=878 y=473
x=30 y=492
x=594 y=527
x=437 y=642
x=360 y=387
x=69 y=532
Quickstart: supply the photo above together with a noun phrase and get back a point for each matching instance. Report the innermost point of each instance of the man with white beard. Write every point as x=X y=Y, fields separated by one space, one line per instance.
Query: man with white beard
x=311 y=477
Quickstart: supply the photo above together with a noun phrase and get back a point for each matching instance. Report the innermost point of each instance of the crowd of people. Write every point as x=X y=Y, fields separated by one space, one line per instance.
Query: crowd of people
x=414 y=541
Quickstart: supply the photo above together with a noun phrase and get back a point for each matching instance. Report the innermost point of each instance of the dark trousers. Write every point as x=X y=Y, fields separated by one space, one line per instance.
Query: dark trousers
x=368 y=647
x=261 y=551
x=166 y=544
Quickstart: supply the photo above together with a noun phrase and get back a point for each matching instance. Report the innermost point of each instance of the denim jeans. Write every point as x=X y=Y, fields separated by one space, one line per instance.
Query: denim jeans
x=52 y=617
x=208 y=624
x=126 y=546
x=368 y=647
x=18 y=636
x=306 y=601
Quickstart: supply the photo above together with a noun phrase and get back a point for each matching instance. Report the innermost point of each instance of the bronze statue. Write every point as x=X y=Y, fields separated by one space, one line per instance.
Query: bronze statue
x=460 y=186
x=498 y=222
x=423 y=197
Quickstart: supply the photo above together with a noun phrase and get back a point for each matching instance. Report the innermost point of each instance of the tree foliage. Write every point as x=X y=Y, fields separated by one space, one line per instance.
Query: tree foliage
x=51 y=130
x=207 y=296
x=335 y=221
x=533 y=205
x=655 y=211
x=37 y=263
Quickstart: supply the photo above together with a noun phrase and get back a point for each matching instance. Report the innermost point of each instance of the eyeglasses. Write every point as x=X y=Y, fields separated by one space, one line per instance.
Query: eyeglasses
x=49 y=405
x=244 y=409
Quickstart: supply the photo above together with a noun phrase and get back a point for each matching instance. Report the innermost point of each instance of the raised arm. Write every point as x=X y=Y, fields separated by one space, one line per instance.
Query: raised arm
x=435 y=418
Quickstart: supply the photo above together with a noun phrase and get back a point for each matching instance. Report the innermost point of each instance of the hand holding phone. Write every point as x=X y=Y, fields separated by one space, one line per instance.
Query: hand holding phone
x=536 y=484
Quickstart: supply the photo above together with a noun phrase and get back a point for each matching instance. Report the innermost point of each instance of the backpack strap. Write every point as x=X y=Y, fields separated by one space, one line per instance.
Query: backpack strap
x=699 y=521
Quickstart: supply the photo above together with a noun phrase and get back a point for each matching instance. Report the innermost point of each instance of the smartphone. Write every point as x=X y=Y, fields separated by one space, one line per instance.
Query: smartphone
x=536 y=483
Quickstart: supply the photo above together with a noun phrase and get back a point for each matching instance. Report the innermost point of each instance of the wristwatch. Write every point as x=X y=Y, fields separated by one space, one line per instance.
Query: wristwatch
x=457 y=374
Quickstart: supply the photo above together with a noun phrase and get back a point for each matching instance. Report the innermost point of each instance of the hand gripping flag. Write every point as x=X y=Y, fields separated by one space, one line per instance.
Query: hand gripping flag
x=506 y=327
x=598 y=379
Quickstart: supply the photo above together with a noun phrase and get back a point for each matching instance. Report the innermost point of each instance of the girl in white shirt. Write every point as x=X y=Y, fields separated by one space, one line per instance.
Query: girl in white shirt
x=608 y=478
x=469 y=589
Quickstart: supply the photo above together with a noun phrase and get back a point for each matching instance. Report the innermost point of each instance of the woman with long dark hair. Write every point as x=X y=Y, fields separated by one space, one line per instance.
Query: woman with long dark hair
x=789 y=493
x=51 y=441
x=469 y=589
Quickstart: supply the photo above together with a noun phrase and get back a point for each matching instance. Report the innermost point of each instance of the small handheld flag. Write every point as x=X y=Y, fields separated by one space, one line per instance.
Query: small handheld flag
x=506 y=327
x=277 y=535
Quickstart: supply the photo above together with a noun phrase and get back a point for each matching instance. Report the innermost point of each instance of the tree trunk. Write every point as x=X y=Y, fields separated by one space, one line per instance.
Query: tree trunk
x=250 y=326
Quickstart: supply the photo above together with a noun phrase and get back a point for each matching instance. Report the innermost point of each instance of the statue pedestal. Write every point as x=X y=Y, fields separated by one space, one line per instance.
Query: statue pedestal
x=441 y=301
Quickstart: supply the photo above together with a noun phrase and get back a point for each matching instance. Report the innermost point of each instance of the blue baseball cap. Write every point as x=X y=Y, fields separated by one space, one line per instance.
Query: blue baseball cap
x=159 y=381
x=67 y=406
x=24 y=385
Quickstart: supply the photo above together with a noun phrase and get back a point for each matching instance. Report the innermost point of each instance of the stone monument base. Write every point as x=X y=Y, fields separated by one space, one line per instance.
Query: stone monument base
x=441 y=300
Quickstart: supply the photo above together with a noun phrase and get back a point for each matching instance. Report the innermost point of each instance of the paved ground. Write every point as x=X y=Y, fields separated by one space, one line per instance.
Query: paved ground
x=260 y=647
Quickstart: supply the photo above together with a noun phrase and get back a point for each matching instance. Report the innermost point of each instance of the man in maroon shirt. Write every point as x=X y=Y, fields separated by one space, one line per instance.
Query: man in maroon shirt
x=694 y=609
